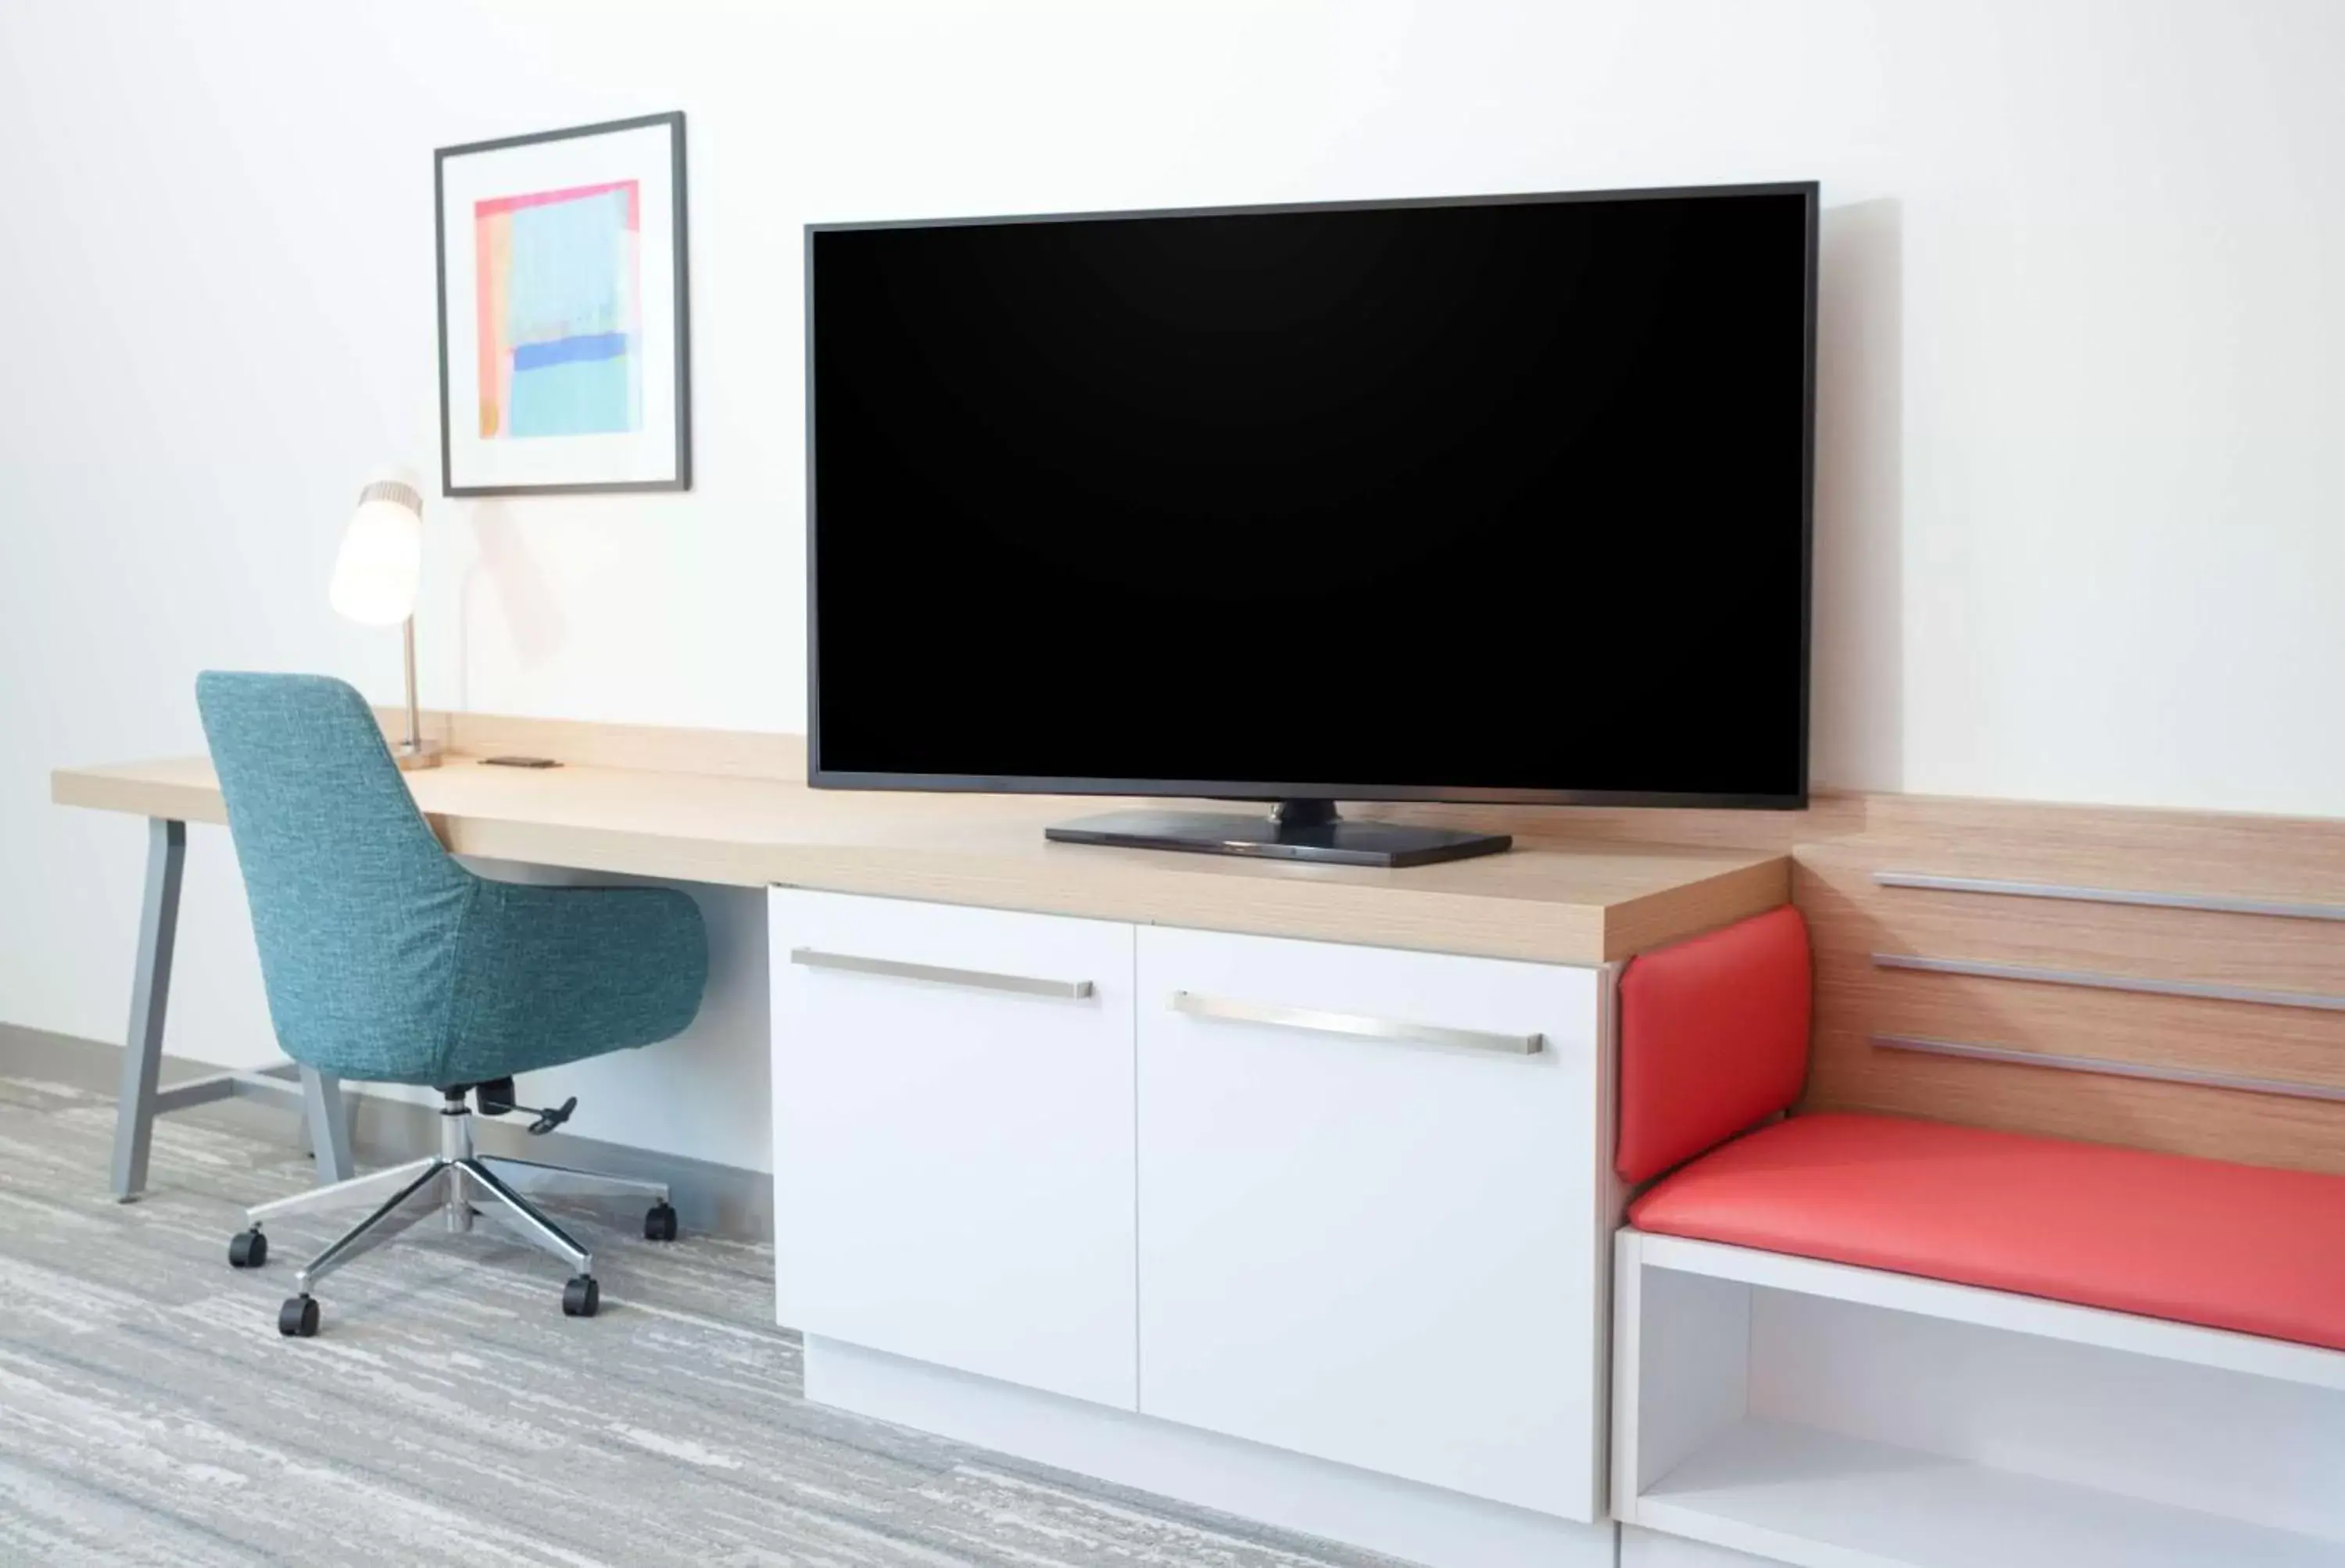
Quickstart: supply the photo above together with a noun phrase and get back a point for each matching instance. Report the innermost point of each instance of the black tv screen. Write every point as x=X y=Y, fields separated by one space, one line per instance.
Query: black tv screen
x=1499 y=498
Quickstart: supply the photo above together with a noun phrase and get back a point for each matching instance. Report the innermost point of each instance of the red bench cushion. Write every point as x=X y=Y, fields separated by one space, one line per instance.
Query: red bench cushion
x=1713 y=1039
x=2198 y=1241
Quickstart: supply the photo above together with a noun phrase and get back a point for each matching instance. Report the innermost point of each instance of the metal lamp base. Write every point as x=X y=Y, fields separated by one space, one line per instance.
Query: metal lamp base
x=411 y=755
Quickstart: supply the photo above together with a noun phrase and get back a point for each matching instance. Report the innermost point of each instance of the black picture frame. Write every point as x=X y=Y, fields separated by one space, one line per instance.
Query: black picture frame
x=674 y=123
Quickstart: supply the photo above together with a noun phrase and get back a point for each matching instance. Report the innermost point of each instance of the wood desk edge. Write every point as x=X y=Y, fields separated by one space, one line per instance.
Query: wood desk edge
x=1484 y=908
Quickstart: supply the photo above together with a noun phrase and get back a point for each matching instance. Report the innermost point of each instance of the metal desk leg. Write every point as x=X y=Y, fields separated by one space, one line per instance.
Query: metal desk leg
x=150 y=998
x=329 y=1125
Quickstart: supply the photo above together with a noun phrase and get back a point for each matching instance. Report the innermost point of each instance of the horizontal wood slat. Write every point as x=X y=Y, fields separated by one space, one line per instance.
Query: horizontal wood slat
x=2232 y=855
x=2254 y=951
x=1967 y=1050
x=2172 y=1119
x=2097 y=979
x=2146 y=898
x=2203 y=1035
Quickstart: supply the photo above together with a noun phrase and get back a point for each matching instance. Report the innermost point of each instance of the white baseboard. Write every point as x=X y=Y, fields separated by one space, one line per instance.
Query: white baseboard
x=1293 y=1491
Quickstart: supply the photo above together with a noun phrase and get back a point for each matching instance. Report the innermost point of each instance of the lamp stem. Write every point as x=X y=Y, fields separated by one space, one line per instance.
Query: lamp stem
x=415 y=751
x=415 y=713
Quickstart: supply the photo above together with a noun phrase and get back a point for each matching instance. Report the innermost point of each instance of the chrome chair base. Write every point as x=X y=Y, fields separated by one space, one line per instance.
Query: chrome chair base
x=459 y=1187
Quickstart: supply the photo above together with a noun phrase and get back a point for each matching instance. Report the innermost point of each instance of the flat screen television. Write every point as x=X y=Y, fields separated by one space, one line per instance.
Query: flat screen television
x=1491 y=499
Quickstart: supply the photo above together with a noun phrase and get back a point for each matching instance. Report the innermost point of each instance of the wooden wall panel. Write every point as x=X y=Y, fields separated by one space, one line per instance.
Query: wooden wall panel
x=1852 y=918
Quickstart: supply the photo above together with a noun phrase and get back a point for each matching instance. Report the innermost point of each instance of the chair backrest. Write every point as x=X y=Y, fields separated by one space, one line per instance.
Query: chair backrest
x=355 y=906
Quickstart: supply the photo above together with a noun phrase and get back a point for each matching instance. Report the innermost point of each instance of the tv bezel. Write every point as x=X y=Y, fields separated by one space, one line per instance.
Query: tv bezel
x=822 y=777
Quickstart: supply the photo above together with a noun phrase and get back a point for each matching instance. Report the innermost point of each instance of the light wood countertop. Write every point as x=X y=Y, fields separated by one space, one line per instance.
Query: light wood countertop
x=1579 y=905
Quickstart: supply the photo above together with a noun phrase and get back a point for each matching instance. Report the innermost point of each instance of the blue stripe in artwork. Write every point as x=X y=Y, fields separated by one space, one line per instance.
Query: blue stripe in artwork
x=566 y=350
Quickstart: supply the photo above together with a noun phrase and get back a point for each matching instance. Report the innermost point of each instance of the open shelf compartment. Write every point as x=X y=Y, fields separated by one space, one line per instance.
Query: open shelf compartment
x=1812 y=1414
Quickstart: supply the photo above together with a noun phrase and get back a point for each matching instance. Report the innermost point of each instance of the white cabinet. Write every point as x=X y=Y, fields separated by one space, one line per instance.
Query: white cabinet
x=953 y=1137
x=1375 y=1245
x=1312 y=1231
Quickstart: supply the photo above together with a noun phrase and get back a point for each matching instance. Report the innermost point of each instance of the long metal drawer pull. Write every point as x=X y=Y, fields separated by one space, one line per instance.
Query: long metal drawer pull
x=2107 y=1067
x=2217 y=903
x=975 y=979
x=1225 y=1009
x=2092 y=980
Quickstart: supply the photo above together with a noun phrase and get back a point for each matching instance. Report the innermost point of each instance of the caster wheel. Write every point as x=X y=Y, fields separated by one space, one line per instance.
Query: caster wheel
x=248 y=1250
x=581 y=1296
x=659 y=1223
x=298 y=1319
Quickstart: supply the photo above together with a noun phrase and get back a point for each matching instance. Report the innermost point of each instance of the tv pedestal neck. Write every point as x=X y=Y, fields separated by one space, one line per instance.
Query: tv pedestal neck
x=1295 y=830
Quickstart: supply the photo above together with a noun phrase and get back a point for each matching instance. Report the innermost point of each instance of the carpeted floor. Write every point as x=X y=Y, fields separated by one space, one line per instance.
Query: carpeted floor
x=448 y=1412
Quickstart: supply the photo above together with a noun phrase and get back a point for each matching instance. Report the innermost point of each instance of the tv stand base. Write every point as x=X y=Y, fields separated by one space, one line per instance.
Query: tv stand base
x=1295 y=830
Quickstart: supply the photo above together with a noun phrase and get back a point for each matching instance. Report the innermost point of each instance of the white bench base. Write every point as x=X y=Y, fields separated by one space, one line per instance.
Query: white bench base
x=1812 y=1414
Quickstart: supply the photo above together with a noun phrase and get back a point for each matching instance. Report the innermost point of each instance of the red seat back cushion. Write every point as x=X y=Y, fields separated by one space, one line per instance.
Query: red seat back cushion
x=1713 y=1039
x=2196 y=1241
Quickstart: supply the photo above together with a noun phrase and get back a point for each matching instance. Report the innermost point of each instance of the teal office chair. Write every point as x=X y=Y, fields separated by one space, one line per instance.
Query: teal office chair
x=386 y=960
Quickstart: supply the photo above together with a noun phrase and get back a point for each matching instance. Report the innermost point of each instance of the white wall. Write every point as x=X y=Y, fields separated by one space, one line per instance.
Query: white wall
x=2082 y=522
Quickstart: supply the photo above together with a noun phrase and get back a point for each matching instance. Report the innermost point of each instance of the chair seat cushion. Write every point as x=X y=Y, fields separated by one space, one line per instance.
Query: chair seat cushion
x=2233 y=1246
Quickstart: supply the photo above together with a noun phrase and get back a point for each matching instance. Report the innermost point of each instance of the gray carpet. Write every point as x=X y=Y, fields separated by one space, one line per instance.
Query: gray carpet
x=448 y=1412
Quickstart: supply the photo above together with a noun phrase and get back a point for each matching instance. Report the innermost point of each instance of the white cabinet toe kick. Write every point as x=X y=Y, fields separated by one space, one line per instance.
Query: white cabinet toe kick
x=1311 y=1232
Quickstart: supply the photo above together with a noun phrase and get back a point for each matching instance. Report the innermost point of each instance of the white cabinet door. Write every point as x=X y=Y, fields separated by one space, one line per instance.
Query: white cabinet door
x=1381 y=1252
x=952 y=1143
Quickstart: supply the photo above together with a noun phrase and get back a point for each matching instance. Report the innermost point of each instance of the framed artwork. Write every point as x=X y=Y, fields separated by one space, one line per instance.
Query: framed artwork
x=564 y=345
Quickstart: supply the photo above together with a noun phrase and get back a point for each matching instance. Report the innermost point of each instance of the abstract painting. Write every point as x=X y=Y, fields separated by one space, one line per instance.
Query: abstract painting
x=564 y=362
x=561 y=311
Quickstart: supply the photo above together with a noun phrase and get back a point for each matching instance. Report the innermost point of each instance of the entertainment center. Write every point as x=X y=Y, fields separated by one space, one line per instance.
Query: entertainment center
x=1295 y=505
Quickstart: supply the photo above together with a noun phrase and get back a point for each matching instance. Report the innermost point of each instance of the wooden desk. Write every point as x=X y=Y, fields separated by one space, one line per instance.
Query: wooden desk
x=734 y=809
x=1580 y=907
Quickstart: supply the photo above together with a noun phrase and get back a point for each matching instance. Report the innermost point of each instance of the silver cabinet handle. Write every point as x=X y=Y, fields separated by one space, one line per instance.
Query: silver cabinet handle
x=976 y=979
x=1229 y=1012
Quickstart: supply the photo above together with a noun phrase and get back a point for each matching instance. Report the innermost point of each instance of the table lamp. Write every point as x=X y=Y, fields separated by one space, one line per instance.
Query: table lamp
x=375 y=578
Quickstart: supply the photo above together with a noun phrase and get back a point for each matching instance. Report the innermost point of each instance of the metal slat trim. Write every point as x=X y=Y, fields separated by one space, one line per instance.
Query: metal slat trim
x=2216 y=904
x=2092 y=980
x=2105 y=1067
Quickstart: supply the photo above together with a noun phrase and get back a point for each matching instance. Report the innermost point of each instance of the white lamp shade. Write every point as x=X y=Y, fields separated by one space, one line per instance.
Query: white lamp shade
x=382 y=558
